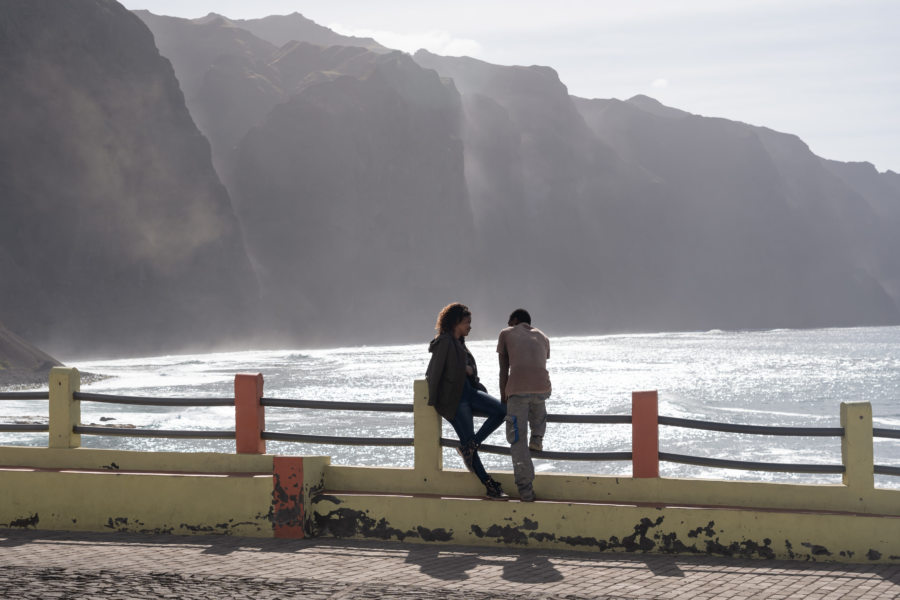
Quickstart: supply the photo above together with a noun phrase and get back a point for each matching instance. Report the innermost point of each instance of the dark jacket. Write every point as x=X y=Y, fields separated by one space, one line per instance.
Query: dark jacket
x=474 y=381
x=446 y=374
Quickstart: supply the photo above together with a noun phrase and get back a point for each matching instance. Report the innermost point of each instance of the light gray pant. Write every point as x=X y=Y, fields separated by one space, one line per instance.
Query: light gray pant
x=522 y=411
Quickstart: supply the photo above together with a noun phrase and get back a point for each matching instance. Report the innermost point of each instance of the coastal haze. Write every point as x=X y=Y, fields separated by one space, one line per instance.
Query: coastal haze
x=173 y=184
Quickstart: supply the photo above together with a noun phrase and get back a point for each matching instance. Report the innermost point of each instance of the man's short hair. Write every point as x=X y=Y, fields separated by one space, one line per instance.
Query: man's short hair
x=521 y=315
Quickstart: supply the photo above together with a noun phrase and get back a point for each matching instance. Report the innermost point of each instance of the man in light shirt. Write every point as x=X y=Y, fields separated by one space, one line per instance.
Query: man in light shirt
x=524 y=388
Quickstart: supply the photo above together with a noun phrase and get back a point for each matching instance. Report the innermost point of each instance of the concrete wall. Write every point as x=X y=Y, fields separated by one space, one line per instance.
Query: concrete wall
x=748 y=533
x=254 y=494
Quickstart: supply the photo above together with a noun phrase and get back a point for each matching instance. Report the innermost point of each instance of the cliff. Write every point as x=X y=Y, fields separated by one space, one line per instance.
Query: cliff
x=117 y=234
x=21 y=363
x=600 y=215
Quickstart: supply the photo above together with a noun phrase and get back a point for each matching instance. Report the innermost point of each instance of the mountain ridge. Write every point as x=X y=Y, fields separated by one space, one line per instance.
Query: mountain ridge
x=329 y=193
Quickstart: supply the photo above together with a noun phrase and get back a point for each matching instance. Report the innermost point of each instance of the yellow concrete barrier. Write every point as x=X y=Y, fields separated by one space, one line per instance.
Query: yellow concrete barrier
x=747 y=533
x=249 y=493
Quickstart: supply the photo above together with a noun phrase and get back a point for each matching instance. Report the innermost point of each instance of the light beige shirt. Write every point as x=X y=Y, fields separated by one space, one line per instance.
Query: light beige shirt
x=526 y=350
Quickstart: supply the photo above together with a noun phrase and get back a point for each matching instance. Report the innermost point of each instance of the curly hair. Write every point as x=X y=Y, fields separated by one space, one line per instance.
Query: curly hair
x=450 y=316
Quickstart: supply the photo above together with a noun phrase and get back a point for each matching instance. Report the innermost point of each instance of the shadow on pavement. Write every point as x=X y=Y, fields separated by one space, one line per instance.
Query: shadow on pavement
x=449 y=566
x=531 y=568
x=453 y=562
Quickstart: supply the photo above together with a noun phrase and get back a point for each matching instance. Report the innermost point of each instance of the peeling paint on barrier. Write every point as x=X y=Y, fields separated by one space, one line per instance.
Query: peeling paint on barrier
x=506 y=534
x=24 y=522
x=345 y=523
x=545 y=526
x=816 y=550
x=132 y=525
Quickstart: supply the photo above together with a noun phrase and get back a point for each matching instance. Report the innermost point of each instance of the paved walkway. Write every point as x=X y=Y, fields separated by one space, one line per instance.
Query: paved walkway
x=44 y=565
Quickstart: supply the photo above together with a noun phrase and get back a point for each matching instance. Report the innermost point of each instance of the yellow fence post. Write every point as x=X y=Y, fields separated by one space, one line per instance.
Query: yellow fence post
x=427 y=433
x=65 y=410
x=856 y=446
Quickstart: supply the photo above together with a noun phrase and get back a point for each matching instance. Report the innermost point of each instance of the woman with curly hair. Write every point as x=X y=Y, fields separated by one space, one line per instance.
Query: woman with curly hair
x=456 y=393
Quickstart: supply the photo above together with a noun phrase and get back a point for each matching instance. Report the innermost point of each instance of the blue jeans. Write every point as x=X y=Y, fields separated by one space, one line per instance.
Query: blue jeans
x=474 y=402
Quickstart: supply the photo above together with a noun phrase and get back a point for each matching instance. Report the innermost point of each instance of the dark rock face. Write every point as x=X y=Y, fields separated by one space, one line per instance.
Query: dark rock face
x=754 y=230
x=878 y=197
x=669 y=220
x=116 y=232
x=598 y=215
x=353 y=200
x=21 y=363
x=233 y=72
x=347 y=172
x=543 y=190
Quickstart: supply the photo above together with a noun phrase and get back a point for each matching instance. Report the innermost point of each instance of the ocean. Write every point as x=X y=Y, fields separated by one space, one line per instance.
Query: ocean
x=780 y=377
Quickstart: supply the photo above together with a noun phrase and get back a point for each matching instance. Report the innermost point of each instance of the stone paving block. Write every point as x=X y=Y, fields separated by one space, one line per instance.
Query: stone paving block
x=111 y=566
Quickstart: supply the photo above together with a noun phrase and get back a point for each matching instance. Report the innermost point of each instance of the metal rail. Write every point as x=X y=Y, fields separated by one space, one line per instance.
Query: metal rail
x=402 y=407
x=886 y=433
x=583 y=456
x=17 y=427
x=879 y=432
x=601 y=419
x=144 y=401
x=750 y=466
x=162 y=433
x=25 y=395
x=342 y=441
x=329 y=405
x=753 y=429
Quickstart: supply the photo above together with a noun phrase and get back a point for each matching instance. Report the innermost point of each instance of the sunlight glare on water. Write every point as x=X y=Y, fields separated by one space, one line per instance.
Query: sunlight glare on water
x=782 y=377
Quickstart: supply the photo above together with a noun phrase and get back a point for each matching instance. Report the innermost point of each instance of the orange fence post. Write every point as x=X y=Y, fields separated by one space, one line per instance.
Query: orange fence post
x=645 y=434
x=249 y=415
x=288 y=511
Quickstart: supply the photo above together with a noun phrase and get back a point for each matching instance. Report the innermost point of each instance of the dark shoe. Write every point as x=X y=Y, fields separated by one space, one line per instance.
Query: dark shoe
x=467 y=454
x=537 y=443
x=495 y=491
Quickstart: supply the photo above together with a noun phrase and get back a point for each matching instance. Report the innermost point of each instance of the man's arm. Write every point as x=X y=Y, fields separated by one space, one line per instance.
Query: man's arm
x=504 y=375
x=504 y=364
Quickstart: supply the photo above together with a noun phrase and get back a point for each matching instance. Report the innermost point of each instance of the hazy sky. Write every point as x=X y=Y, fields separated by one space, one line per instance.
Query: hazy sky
x=826 y=70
